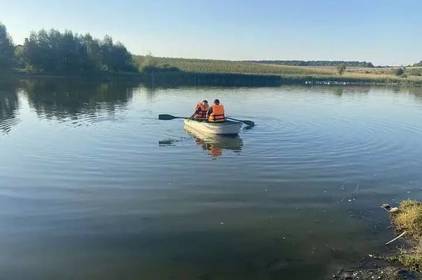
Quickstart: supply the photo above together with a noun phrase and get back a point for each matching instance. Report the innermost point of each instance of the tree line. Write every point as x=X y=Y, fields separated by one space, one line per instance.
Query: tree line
x=64 y=53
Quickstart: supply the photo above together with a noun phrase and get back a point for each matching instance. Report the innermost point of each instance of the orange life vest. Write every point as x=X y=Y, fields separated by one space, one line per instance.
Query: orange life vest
x=217 y=114
x=201 y=110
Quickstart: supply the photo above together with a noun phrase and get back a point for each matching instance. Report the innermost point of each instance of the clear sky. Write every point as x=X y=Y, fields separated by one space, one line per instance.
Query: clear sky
x=384 y=32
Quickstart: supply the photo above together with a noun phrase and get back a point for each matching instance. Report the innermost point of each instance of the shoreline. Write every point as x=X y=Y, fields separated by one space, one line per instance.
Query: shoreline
x=181 y=78
x=402 y=262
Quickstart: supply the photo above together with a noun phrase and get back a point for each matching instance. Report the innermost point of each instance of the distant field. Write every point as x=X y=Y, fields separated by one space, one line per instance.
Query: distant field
x=382 y=74
x=224 y=66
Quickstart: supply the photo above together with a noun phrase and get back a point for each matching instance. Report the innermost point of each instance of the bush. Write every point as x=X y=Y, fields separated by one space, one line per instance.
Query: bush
x=340 y=69
x=398 y=71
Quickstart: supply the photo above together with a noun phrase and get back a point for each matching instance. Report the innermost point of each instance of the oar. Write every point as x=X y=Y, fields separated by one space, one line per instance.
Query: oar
x=167 y=117
x=247 y=122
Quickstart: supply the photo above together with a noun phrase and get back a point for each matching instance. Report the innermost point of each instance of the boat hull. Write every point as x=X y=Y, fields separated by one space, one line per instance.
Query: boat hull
x=222 y=128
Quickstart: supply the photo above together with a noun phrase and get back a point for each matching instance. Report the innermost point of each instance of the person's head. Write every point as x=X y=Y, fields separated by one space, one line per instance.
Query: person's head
x=205 y=102
x=217 y=102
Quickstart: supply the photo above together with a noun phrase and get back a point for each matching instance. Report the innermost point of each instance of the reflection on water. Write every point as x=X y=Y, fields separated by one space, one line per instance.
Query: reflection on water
x=168 y=142
x=83 y=181
x=9 y=105
x=75 y=100
x=216 y=144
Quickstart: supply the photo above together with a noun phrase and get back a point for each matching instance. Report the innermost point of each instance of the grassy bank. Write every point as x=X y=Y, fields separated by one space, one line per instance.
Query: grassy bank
x=156 y=71
x=408 y=219
x=288 y=73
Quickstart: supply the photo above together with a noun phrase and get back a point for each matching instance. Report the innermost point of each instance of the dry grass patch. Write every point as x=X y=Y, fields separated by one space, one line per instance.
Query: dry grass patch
x=409 y=219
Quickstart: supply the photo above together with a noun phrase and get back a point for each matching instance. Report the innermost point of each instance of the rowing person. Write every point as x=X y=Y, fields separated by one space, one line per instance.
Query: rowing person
x=216 y=112
x=201 y=110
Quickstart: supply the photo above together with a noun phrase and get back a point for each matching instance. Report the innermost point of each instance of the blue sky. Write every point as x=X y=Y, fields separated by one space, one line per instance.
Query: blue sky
x=384 y=32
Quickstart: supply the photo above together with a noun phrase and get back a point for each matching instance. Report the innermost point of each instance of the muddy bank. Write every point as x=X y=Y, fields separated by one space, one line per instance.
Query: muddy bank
x=377 y=268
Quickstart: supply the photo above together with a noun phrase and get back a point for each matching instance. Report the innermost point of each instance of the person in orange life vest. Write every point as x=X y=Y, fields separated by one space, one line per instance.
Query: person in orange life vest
x=201 y=110
x=216 y=112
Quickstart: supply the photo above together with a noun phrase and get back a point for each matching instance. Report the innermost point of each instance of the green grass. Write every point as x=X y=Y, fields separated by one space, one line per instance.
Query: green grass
x=412 y=258
x=412 y=75
x=225 y=66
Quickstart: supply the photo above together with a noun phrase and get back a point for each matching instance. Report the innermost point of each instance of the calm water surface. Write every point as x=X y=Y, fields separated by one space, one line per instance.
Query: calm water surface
x=93 y=186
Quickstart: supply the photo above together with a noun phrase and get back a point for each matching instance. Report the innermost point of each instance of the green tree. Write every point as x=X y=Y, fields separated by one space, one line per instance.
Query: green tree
x=7 y=50
x=93 y=51
x=116 y=57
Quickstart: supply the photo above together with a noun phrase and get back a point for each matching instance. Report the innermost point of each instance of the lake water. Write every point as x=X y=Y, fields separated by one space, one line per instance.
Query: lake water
x=94 y=186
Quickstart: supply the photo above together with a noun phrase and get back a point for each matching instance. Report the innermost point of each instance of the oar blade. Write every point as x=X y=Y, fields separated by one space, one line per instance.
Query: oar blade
x=166 y=117
x=249 y=123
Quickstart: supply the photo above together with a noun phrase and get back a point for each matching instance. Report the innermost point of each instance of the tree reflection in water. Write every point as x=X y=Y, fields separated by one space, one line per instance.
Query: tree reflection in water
x=9 y=106
x=77 y=100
